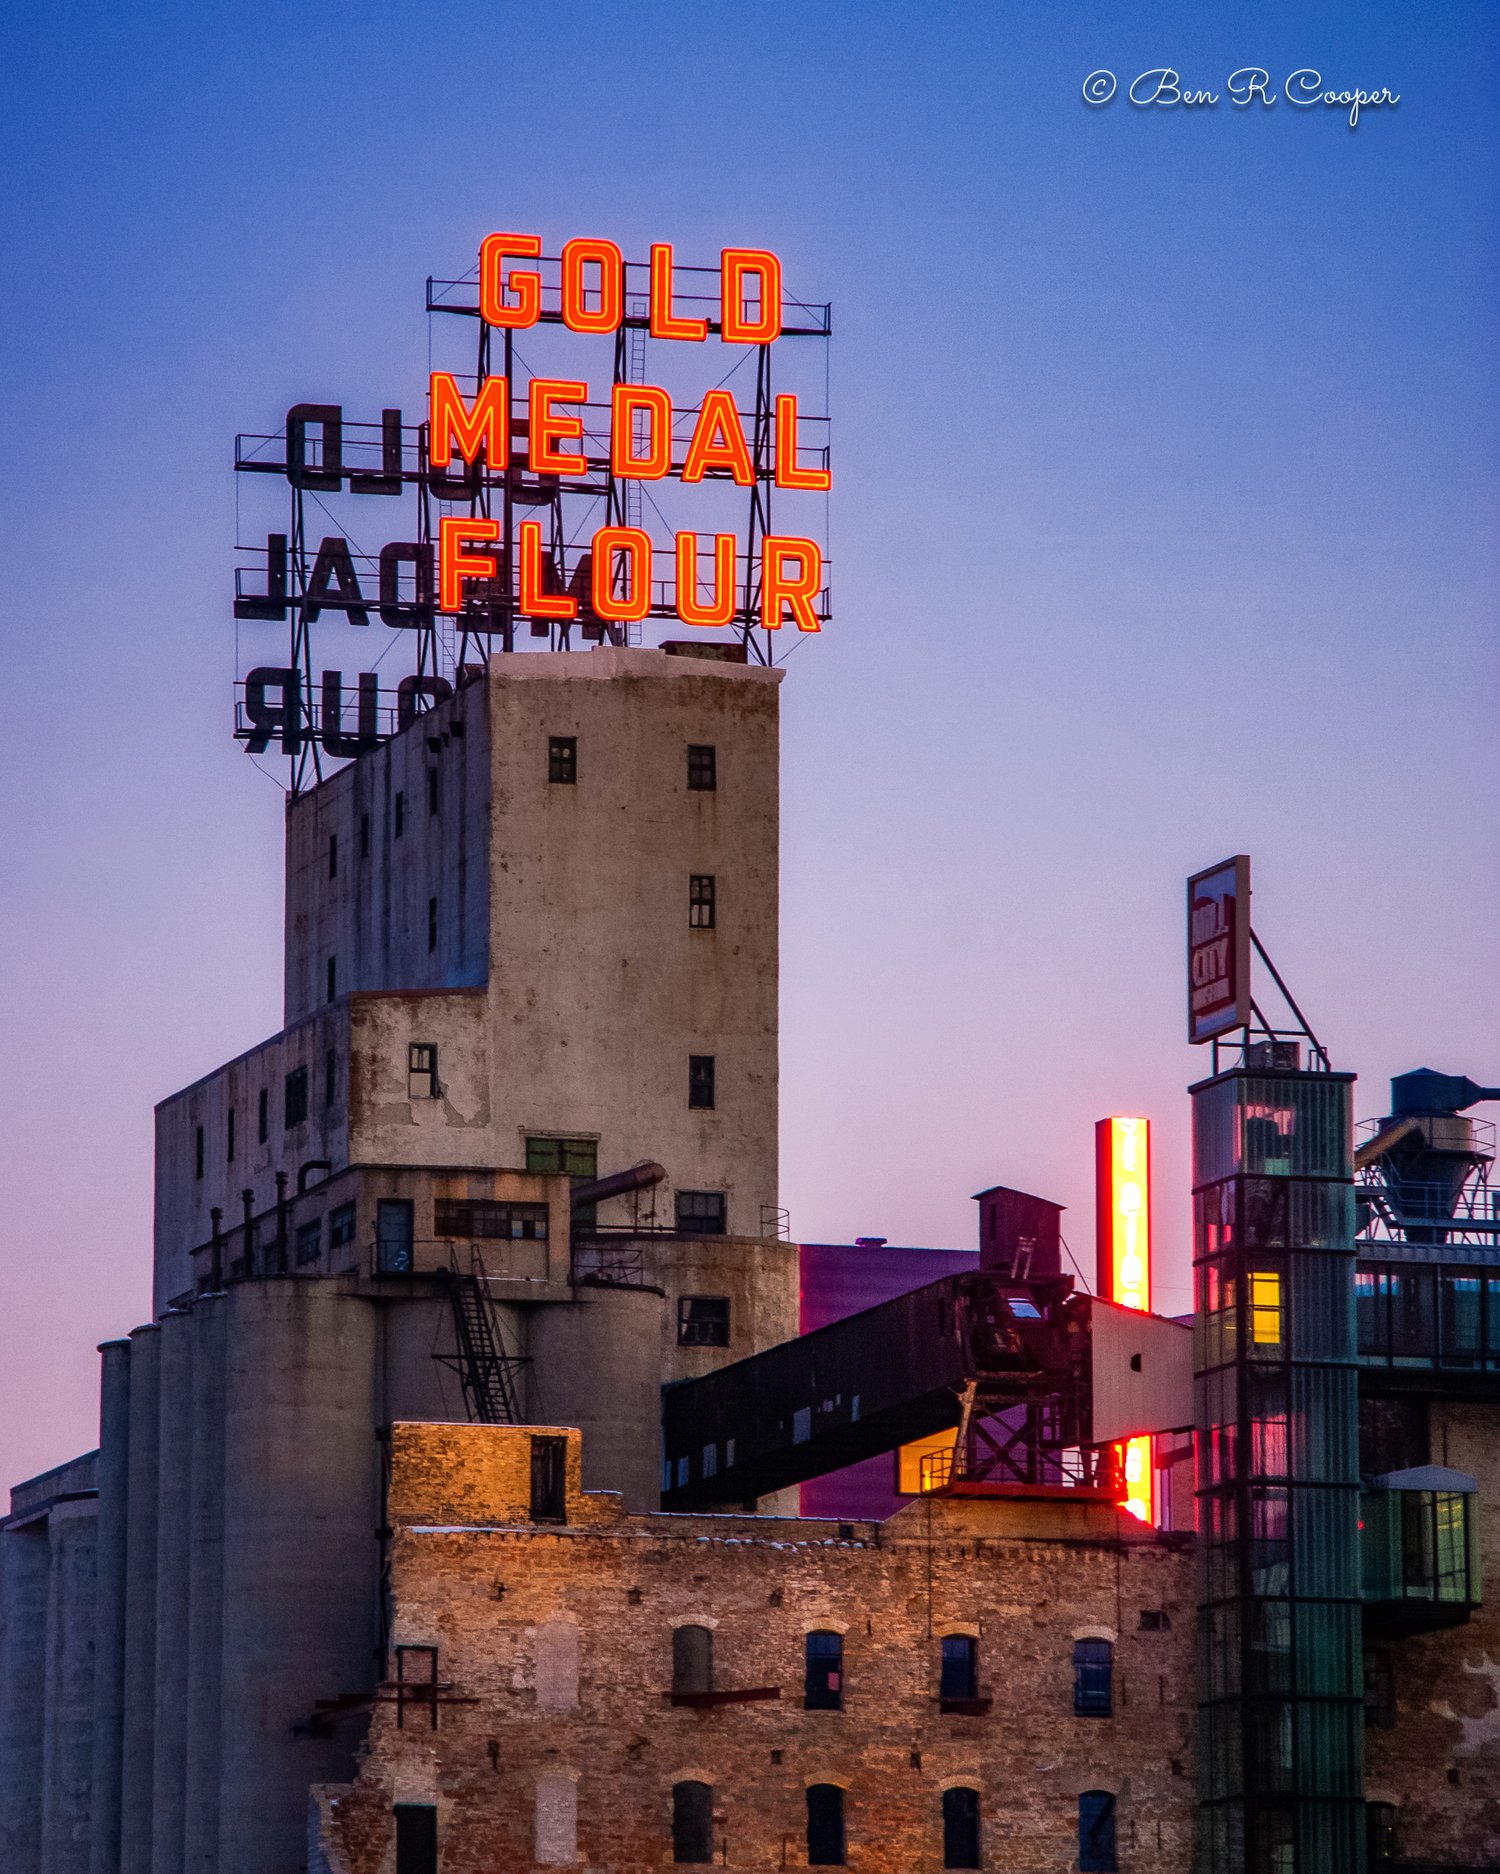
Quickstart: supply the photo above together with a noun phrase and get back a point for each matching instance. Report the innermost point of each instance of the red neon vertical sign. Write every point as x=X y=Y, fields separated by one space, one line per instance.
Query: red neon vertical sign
x=1122 y=1156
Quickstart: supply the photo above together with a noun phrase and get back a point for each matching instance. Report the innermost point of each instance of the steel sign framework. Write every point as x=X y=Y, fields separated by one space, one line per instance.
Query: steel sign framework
x=603 y=445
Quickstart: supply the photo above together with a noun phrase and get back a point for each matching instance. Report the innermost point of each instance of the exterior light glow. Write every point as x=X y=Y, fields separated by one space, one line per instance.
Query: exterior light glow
x=1122 y=1158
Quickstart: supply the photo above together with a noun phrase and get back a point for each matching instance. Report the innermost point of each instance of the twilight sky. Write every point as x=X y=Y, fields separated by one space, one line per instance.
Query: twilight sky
x=1162 y=522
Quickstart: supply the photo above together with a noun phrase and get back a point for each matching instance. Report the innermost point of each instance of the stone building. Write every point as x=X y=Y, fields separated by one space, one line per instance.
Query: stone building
x=976 y=1678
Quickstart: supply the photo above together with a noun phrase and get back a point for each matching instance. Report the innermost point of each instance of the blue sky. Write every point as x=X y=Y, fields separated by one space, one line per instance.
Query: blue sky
x=1164 y=451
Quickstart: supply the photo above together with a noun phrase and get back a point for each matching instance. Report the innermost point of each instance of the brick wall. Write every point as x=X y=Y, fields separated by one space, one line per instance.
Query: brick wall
x=555 y=1645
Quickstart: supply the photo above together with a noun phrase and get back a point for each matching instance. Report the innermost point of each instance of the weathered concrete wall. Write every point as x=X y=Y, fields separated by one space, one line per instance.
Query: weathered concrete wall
x=138 y=1741
x=758 y=1276
x=596 y=1364
x=300 y=1560
x=68 y=1743
x=109 y=1606
x=24 y=1573
x=174 y=1490
x=372 y=914
x=496 y=1595
x=205 y=1633
x=1440 y=1762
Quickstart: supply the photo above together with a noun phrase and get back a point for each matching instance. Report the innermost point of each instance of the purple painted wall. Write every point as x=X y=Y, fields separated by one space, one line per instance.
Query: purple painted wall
x=840 y=1279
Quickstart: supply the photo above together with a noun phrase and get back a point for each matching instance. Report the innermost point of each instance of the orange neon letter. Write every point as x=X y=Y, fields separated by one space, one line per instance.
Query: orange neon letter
x=664 y=322
x=722 y=609
x=635 y=547
x=533 y=600
x=451 y=421
x=548 y=428
x=718 y=441
x=655 y=406
x=577 y=255
x=778 y=588
x=734 y=264
x=495 y=307
x=788 y=475
x=454 y=565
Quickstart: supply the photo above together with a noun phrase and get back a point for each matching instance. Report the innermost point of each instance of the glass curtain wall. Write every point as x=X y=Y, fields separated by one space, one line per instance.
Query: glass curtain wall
x=1281 y=1669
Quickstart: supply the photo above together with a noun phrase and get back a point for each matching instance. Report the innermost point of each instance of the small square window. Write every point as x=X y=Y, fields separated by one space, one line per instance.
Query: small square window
x=702 y=1320
x=700 y=1213
x=422 y=1071
x=295 y=1101
x=701 y=1082
x=333 y=855
x=562 y=759
x=263 y=1115
x=431 y=925
x=701 y=901
x=703 y=767
x=341 y=1225
x=434 y=791
x=333 y=978
x=400 y=815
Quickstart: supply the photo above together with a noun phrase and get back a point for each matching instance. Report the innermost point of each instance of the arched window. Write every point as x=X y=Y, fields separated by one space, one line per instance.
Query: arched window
x=961 y=1828
x=1096 y=1832
x=960 y=1667
x=692 y=1660
x=1093 y=1678
x=825 y=1825
x=823 y=1685
x=693 y=1817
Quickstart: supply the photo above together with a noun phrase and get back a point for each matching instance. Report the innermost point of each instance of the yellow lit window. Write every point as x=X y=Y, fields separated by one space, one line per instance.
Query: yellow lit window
x=925 y=1464
x=1265 y=1308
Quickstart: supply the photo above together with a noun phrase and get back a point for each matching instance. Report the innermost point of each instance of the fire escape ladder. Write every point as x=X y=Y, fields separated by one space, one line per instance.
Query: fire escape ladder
x=485 y=1371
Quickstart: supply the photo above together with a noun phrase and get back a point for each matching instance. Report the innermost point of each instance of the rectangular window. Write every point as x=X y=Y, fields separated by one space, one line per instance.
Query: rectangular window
x=1096 y=1832
x=341 y=1225
x=400 y=815
x=422 y=1071
x=562 y=760
x=703 y=768
x=294 y=1100
x=310 y=1240
x=693 y=1823
x=393 y=1236
x=700 y=1213
x=263 y=1115
x=1093 y=1678
x=577 y=1158
x=701 y=905
x=701 y=1082
x=1265 y=1308
x=333 y=978
x=692 y=1661
x=702 y=1320
x=364 y=836
x=823 y=1676
x=229 y=1138
x=416 y=1838
x=434 y=792
x=198 y=1152
x=549 y=1480
x=961 y=1828
x=431 y=925
x=333 y=855
x=478 y=1217
x=958 y=1677
x=825 y=1825
x=1380 y=1688
x=330 y=1077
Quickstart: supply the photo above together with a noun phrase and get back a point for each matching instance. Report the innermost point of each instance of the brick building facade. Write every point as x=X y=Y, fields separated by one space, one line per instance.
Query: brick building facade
x=572 y=1711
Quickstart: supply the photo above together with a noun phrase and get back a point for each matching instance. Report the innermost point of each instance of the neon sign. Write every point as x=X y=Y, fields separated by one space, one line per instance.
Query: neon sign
x=543 y=484
x=1122 y=1147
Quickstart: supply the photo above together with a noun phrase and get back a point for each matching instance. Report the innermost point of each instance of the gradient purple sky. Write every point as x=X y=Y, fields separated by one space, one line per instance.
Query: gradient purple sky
x=1164 y=465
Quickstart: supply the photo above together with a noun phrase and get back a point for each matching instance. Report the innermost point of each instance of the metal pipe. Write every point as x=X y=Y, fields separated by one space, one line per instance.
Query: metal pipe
x=638 y=1178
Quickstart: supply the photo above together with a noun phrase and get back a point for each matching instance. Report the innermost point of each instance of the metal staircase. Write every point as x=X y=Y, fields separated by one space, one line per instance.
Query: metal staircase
x=485 y=1371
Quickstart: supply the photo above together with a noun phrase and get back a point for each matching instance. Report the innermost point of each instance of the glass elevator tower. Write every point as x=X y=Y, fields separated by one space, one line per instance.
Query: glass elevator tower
x=1281 y=1670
